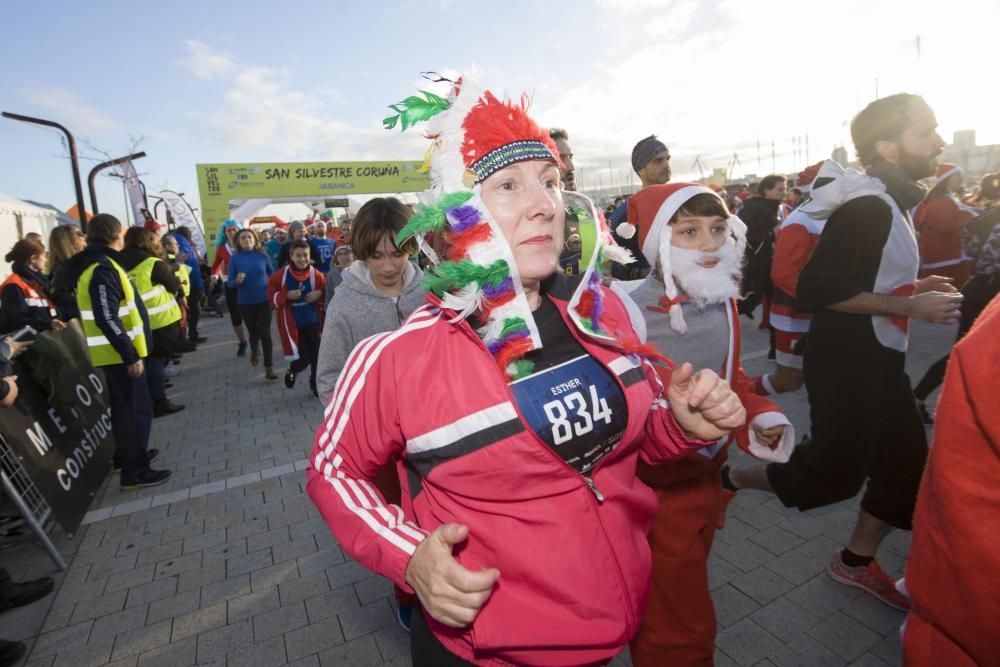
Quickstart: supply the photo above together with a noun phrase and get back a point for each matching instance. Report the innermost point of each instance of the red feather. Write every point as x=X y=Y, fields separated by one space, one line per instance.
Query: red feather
x=459 y=243
x=492 y=123
x=512 y=352
x=586 y=306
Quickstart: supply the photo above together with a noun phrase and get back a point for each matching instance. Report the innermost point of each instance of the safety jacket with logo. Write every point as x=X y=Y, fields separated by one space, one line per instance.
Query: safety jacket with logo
x=161 y=305
x=24 y=303
x=121 y=319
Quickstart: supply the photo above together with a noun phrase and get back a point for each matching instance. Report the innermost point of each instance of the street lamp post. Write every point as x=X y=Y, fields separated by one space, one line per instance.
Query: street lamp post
x=105 y=165
x=73 y=160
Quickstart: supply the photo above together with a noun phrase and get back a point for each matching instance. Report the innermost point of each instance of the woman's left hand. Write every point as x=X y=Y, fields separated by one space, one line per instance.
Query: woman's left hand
x=704 y=404
x=58 y=325
x=313 y=296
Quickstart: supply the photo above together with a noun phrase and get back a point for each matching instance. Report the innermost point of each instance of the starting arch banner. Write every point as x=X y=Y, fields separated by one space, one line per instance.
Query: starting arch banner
x=219 y=184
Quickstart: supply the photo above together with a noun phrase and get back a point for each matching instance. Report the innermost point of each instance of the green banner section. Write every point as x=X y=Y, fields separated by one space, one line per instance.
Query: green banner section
x=220 y=183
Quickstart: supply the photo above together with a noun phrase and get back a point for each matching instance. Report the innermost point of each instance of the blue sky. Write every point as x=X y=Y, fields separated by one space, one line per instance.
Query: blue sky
x=283 y=81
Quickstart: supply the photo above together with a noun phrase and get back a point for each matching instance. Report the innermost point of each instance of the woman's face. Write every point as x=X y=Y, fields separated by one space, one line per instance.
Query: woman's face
x=169 y=245
x=245 y=241
x=526 y=203
x=387 y=264
x=79 y=241
x=231 y=232
x=37 y=262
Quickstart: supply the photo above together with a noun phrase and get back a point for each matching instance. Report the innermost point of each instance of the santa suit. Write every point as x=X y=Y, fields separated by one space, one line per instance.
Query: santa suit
x=940 y=221
x=953 y=574
x=796 y=239
x=679 y=626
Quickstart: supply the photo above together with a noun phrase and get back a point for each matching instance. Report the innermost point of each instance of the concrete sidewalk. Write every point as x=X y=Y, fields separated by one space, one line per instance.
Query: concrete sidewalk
x=229 y=563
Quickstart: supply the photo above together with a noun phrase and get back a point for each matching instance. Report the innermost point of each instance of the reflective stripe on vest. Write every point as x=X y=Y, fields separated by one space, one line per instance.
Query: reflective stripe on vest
x=102 y=352
x=161 y=306
x=31 y=296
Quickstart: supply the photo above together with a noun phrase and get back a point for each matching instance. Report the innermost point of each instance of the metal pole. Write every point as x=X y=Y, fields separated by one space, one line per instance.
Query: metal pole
x=73 y=160
x=104 y=165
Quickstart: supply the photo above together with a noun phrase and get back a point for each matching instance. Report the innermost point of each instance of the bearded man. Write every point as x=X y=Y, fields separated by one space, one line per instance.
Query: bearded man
x=861 y=286
x=686 y=307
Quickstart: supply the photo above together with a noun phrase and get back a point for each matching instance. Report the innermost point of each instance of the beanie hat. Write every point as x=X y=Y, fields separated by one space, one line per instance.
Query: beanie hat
x=805 y=179
x=474 y=134
x=645 y=151
x=946 y=170
x=650 y=210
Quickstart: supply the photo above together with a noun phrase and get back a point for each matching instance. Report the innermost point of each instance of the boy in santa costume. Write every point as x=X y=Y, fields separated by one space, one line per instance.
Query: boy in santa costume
x=686 y=307
x=940 y=220
x=297 y=292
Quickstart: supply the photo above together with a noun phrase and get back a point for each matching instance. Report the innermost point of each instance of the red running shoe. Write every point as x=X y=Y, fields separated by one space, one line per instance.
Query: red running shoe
x=870 y=578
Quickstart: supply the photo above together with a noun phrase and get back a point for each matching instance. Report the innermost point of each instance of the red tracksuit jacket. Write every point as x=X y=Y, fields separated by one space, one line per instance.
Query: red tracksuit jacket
x=574 y=562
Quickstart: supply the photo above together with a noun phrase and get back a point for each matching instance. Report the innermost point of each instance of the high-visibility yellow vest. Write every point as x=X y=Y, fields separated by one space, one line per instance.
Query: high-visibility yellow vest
x=161 y=305
x=102 y=353
x=183 y=274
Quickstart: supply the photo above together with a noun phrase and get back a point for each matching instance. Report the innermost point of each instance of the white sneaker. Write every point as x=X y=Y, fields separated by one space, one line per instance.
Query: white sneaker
x=173 y=370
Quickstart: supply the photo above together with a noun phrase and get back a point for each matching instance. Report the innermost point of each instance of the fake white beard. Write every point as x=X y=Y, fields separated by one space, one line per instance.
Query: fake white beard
x=707 y=286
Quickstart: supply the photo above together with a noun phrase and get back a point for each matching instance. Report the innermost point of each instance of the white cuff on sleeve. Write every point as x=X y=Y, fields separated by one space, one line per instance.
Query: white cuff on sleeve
x=783 y=450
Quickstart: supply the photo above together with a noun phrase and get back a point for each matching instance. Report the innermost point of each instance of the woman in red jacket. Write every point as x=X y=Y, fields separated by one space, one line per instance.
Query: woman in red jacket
x=518 y=404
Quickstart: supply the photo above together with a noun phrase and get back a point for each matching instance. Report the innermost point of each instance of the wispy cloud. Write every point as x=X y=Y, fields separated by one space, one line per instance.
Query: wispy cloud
x=206 y=62
x=70 y=110
x=265 y=112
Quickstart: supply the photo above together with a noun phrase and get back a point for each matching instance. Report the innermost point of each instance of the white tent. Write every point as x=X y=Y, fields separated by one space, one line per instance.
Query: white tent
x=18 y=218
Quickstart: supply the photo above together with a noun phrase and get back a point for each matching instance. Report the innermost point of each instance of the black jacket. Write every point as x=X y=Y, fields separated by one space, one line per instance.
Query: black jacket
x=15 y=312
x=761 y=218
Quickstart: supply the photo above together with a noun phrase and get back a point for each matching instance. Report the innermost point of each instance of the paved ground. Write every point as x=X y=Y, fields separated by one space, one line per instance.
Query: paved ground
x=230 y=564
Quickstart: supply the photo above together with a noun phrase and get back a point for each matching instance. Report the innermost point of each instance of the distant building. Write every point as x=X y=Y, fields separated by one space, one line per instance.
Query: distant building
x=974 y=160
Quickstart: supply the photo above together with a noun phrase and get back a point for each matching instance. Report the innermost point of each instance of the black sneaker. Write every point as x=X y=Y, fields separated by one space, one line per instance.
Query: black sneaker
x=164 y=408
x=11 y=652
x=241 y=351
x=197 y=339
x=289 y=378
x=313 y=389
x=151 y=478
x=17 y=595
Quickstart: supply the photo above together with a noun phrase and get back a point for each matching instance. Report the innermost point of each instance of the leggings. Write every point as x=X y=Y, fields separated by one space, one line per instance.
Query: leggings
x=308 y=351
x=232 y=305
x=258 y=320
x=426 y=650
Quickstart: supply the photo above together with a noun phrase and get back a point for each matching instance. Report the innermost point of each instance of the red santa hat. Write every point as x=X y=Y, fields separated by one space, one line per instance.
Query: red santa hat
x=946 y=170
x=650 y=211
x=805 y=179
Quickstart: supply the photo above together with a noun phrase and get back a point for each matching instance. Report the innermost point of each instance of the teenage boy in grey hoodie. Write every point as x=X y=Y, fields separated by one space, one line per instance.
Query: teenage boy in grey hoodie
x=379 y=291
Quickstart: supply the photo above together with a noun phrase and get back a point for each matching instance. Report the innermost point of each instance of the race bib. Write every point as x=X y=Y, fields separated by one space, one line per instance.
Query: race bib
x=577 y=408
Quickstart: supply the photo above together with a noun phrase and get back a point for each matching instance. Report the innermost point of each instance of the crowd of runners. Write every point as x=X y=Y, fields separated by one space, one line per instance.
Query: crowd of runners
x=528 y=402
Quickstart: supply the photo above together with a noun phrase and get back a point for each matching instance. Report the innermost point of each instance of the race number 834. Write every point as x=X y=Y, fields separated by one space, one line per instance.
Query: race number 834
x=584 y=414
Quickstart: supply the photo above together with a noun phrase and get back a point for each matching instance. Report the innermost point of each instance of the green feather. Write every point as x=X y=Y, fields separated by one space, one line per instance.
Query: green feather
x=415 y=109
x=520 y=369
x=451 y=275
x=513 y=324
x=430 y=217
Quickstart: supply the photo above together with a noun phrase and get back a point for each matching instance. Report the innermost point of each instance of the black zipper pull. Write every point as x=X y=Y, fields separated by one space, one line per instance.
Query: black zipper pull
x=593 y=487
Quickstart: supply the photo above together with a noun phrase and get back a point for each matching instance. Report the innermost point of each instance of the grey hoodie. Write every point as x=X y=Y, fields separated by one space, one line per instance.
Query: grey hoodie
x=356 y=311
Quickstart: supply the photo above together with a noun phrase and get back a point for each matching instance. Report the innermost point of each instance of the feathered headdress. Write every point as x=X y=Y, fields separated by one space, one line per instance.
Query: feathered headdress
x=474 y=134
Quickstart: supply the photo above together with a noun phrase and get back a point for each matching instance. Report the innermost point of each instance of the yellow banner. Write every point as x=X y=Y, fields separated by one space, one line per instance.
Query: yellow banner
x=220 y=183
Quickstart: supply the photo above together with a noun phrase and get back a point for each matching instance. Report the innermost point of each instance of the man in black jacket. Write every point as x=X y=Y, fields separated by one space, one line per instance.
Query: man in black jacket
x=762 y=213
x=861 y=285
x=117 y=328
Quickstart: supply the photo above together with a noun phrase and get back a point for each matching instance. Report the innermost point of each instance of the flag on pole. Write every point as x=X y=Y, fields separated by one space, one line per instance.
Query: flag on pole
x=185 y=217
x=135 y=196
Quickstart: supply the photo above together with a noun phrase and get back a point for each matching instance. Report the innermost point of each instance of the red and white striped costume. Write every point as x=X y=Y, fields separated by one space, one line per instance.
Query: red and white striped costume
x=796 y=239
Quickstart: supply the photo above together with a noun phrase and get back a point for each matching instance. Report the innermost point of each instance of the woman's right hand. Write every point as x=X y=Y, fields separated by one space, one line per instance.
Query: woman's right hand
x=240 y=277
x=451 y=594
